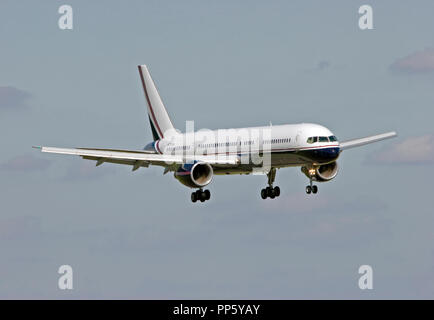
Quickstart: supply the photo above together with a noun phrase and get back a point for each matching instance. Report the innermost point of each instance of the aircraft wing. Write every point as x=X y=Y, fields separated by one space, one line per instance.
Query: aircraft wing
x=366 y=140
x=138 y=158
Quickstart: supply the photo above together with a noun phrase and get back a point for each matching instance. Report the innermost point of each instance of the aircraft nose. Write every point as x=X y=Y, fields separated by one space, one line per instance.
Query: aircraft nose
x=326 y=154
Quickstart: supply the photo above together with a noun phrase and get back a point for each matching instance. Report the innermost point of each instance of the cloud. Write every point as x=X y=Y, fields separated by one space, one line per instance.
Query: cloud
x=416 y=63
x=11 y=98
x=25 y=163
x=322 y=65
x=413 y=150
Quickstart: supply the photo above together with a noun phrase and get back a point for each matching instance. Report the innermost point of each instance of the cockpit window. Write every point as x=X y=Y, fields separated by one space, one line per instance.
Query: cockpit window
x=321 y=139
x=312 y=139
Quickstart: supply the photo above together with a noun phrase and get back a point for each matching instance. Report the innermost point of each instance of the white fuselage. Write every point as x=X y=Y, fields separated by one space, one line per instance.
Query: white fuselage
x=287 y=145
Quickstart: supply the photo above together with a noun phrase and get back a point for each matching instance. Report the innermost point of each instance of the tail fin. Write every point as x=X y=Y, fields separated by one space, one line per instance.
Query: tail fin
x=160 y=122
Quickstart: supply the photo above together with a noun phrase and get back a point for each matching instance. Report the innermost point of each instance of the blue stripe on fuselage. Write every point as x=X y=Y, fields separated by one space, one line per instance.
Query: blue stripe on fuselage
x=321 y=154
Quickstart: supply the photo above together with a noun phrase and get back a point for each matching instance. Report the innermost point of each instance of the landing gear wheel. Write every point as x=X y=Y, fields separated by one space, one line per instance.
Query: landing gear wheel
x=264 y=194
x=207 y=194
x=269 y=190
x=277 y=191
x=314 y=189
x=308 y=189
x=200 y=195
x=193 y=197
x=271 y=193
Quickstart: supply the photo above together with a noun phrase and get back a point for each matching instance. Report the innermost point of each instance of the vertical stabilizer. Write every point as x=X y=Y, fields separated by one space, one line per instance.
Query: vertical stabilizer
x=161 y=125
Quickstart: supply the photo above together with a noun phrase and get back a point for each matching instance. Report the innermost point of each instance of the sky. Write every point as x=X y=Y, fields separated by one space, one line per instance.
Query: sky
x=223 y=64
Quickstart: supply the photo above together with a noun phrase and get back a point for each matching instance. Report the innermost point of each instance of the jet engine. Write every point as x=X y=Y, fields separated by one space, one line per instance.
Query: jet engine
x=195 y=175
x=324 y=172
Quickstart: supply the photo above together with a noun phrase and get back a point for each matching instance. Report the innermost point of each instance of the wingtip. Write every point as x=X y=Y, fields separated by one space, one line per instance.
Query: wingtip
x=37 y=147
x=391 y=134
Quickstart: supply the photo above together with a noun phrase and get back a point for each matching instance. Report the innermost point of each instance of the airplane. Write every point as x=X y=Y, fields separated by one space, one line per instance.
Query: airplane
x=196 y=156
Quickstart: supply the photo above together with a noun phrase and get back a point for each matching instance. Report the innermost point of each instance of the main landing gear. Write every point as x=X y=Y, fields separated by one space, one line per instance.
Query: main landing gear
x=200 y=195
x=270 y=191
x=311 y=188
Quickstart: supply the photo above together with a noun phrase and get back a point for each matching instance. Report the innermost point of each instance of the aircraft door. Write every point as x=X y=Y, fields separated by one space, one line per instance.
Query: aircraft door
x=298 y=139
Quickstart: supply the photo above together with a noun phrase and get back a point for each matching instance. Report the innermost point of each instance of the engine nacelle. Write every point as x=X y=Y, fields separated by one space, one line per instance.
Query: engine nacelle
x=195 y=175
x=324 y=172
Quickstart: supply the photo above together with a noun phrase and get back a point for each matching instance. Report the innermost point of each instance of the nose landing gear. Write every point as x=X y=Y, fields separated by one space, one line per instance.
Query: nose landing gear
x=270 y=191
x=311 y=188
x=201 y=195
